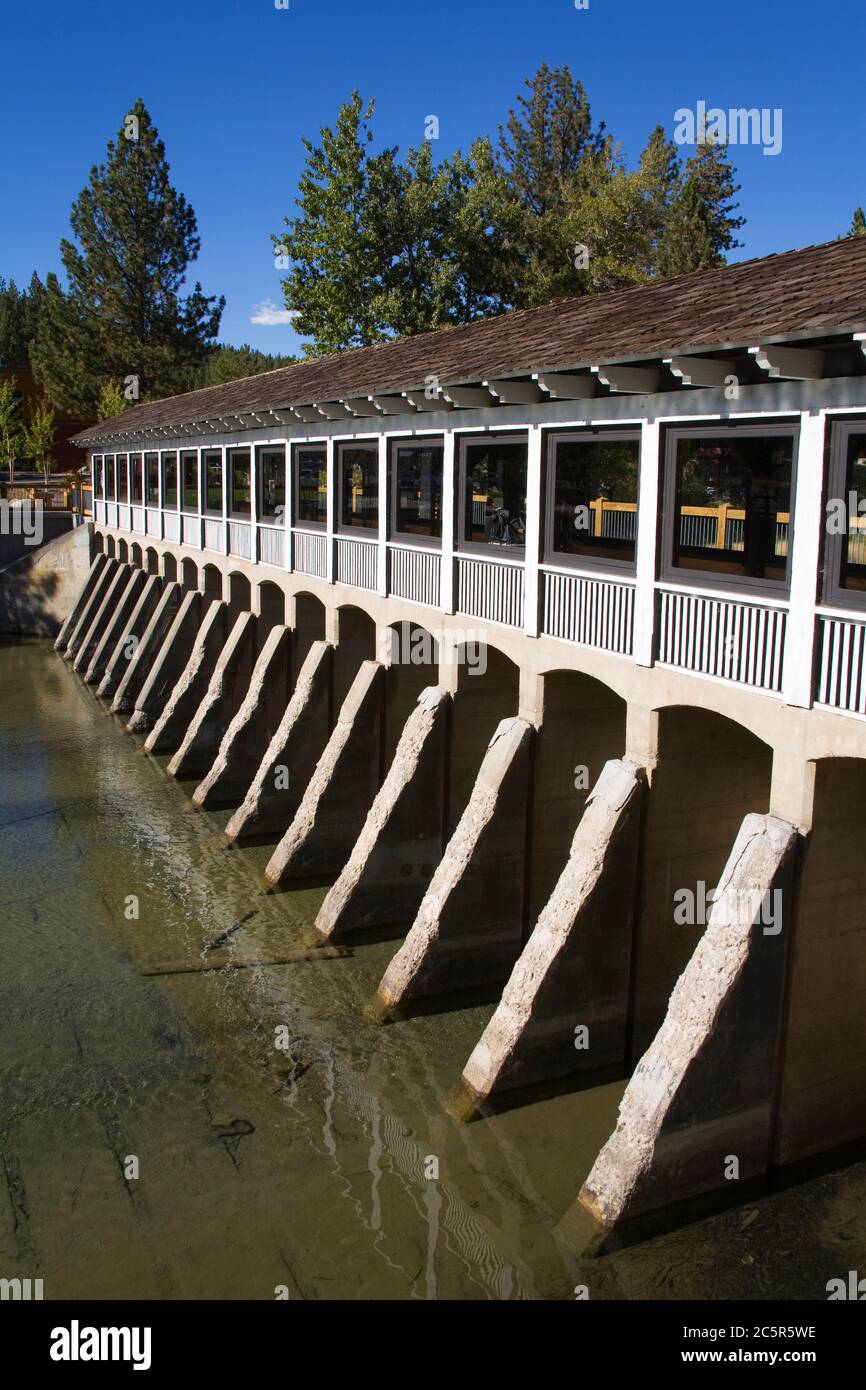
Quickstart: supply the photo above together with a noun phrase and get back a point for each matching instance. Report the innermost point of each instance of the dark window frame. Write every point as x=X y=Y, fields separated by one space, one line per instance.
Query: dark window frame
x=832 y=594
x=112 y=495
x=435 y=441
x=269 y=518
x=183 y=456
x=558 y=559
x=121 y=466
x=319 y=527
x=207 y=510
x=149 y=456
x=163 y=456
x=514 y=554
x=228 y=482
x=98 y=476
x=731 y=584
x=136 y=472
x=348 y=528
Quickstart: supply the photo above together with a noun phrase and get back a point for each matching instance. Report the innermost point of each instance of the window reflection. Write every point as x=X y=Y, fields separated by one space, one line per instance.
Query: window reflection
x=212 y=466
x=271 y=466
x=122 y=478
x=418 y=489
x=360 y=487
x=169 y=480
x=151 y=463
x=732 y=507
x=135 y=464
x=109 y=477
x=494 y=511
x=595 y=498
x=312 y=485
x=853 y=560
x=189 y=474
x=239 y=481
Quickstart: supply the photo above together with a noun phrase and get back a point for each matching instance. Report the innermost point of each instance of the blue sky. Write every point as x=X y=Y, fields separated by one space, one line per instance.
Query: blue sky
x=233 y=85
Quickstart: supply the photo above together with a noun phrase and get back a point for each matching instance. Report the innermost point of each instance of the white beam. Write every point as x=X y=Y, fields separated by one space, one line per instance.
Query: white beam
x=516 y=392
x=422 y=402
x=334 y=410
x=566 y=388
x=362 y=405
x=307 y=413
x=639 y=380
x=798 y=364
x=392 y=405
x=468 y=397
x=702 y=371
x=861 y=339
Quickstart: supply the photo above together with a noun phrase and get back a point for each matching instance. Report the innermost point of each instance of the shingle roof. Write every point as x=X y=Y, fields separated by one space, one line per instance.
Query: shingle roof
x=816 y=290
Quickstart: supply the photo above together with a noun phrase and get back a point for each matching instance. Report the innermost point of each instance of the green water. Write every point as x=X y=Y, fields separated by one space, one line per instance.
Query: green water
x=258 y=1168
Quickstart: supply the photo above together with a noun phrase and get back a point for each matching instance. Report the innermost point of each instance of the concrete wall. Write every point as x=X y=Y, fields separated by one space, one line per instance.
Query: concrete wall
x=38 y=591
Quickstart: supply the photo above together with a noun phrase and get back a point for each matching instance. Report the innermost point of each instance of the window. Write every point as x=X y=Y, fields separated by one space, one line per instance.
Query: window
x=135 y=478
x=494 y=492
x=169 y=480
x=110 y=478
x=189 y=477
x=311 y=485
x=122 y=478
x=592 y=485
x=239 y=481
x=98 y=476
x=212 y=464
x=418 y=489
x=271 y=469
x=845 y=565
x=359 y=472
x=730 y=498
x=151 y=469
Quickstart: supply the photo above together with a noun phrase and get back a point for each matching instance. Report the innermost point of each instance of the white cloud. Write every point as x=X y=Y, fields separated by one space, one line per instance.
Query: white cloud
x=268 y=313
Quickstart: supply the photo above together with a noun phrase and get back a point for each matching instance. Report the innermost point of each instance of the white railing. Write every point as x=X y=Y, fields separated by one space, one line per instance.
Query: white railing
x=357 y=562
x=214 y=534
x=124 y=517
x=415 y=574
x=111 y=514
x=99 y=511
x=241 y=539
x=310 y=553
x=841 y=682
x=594 y=612
x=741 y=642
x=153 y=522
x=172 y=526
x=272 y=545
x=138 y=522
x=492 y=590
x=191 y=531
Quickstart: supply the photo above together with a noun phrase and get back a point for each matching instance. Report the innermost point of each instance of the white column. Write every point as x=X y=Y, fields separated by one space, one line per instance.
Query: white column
x=804 y=542
x=533 y=532
x=384 y=504
x=331 y=513
x=647 y=526
x=254 y=505
x=289 y=505
x=446 y=578
x=199 y=492
x=225 y=455
x=160 y=494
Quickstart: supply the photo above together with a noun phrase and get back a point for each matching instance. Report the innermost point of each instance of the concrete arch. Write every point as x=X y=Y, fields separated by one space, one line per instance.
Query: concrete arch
x=212 y=581
x=270 y=606
x=123 y=552
x=189 y=574
x=583 y=726
x=152 y=560
x=306 y=615
x=823 y=1094
x=411 y=654
x=356 y=642
x=169 y=566
x=98 y=543
x=711 y=772
x=239 y=591
x=135 y=555
x=487 y=691
x=110 y=547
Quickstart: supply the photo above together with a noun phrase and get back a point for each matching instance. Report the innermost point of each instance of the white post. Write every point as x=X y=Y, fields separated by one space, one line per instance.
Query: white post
x=288 y=505
x=533 y=532
x=201 y=482
x=160 y=493
x=384 y=503
x=804 y=543
x=446 y=578
x=331 y=512
x=645 y=549
x=254 y=508
x=225 y=467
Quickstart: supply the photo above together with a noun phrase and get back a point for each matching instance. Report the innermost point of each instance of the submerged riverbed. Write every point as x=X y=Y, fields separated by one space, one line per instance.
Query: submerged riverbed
x=304 y=1168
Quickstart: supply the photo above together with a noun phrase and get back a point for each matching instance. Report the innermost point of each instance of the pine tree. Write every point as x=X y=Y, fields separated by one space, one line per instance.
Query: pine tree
x=858 y=224
x=334 y=273
x=123 y=315
x=700 y=224
x=546 y=141
x=112 y=402
x=19 y=315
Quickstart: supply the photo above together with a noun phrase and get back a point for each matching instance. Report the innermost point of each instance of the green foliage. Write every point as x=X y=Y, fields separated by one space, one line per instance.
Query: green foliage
x=227 y=363
x=858 y=223
x=19 y=314
x=123 y=313
x=11 y=426
x=111 y=401
x=700 y=224
x=39 y=435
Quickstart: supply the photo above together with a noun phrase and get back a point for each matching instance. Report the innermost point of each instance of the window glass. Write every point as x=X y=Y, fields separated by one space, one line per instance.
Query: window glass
x=169 y=480
x=151 y=467
x=360 y=490
x=732 y=506
x=189 y=477
x=122 y=478
x=853 y=560
x=595 y=497
x=494 y=510
x=418 y=488
x=312 y=487
x=109 y=477
x=135 y=477
x=213 y=480
x=239 y=481
x=271 y=467
x=98 y=476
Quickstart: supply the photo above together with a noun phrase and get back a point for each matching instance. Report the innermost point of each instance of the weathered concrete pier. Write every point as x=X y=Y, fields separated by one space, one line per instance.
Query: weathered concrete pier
x=549 y=661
